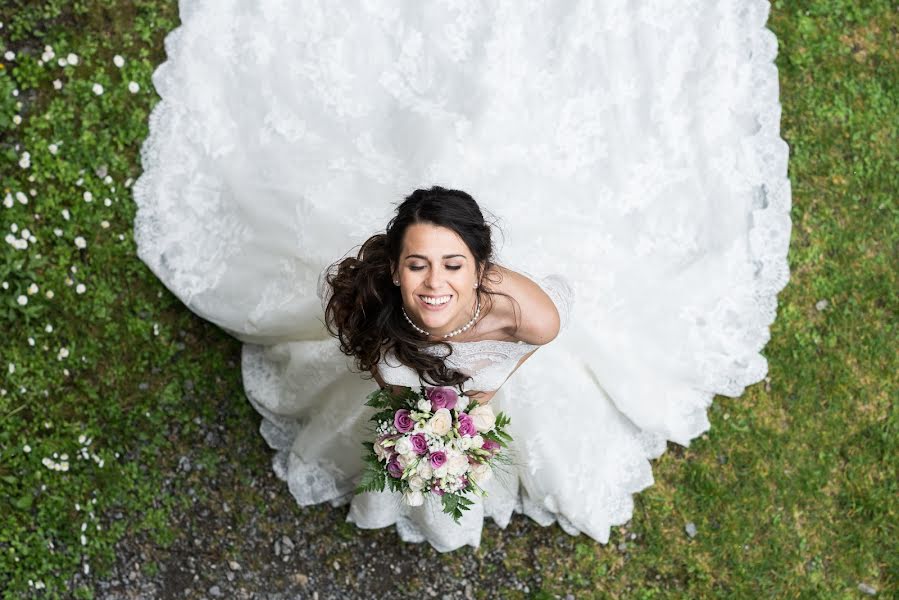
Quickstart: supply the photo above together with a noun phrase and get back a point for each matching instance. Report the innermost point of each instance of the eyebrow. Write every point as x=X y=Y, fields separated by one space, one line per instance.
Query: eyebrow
x=444 y=256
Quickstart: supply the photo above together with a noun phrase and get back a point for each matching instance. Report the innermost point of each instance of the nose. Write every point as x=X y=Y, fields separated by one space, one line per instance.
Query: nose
x=433 y=279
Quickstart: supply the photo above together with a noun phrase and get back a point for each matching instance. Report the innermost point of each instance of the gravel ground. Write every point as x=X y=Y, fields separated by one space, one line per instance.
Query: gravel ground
x=228 y=548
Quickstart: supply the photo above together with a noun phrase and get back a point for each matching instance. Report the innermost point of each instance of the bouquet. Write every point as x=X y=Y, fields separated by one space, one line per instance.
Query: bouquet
x=427 y=442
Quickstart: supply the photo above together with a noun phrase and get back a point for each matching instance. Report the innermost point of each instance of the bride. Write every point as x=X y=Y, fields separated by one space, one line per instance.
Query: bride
x=631 y=152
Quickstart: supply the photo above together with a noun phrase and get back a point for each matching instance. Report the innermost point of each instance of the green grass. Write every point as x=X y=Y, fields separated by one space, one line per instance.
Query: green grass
x=793 y=491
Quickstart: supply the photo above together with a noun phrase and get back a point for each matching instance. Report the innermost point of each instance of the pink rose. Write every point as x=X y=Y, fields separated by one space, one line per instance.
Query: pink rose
x=437 y=459
x=441 y=397
x=394 y=469
x=402 y=421
x=466 y=426
x=419 y=444
x=490 y=445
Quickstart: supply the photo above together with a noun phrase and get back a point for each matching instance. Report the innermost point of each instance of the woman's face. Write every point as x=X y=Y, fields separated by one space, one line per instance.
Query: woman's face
x=436 y=264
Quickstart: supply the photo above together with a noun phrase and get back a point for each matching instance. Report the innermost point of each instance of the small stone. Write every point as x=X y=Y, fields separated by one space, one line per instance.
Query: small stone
x=233 y=565
x=301 y=579
x=867 y=589
x=690 y=529
x=216 y=591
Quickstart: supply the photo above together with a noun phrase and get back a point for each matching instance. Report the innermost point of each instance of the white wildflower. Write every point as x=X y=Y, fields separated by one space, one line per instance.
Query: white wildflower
x=57 y=84
x=22 y=299
x=65 y=214
x=30 y=341
x=22 y=198
x=32 y=289
x=7 y=201
x=10 y=55
x=63 y=353
x=25 y=161
x=72 y=58
x=88 y=197
x=80 y=242
x=53 y=148
x=26 y=448
x=104 y=224
x=12 y=368
x=62 y=62
x=17 y=119
x=133 y=87
x=80 y=288
x=118 y=61
x=107 y=202
x=97 y=89
x=57 y=231
x=48 y=328
x=49 y=294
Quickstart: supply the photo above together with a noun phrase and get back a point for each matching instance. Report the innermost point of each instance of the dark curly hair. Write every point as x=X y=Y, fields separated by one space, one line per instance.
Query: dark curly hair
x=363 y=311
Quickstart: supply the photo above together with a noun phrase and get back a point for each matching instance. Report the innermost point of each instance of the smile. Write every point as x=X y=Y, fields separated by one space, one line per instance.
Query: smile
x=435 y=303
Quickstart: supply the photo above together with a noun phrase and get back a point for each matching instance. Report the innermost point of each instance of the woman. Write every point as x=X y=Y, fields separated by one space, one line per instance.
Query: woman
x=383 y=307
x=631 y=149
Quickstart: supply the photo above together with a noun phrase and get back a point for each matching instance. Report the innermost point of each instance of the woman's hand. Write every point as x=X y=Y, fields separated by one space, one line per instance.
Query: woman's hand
x=481 y=397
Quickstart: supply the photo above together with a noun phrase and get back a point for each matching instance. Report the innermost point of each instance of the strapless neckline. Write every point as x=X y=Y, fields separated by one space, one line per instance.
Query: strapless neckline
x=515 y=342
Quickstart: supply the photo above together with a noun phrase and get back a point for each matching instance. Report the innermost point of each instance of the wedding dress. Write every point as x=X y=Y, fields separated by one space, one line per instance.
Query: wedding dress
x=629 y=149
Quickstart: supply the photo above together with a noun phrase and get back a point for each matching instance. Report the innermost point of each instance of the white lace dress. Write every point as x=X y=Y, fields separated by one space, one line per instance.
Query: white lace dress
x=630 y=148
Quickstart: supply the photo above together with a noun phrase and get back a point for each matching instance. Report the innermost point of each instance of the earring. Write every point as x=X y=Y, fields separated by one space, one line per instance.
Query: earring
x=396 y=282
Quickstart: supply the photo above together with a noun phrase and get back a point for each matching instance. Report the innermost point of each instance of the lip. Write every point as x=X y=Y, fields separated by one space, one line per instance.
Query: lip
x=435 y=308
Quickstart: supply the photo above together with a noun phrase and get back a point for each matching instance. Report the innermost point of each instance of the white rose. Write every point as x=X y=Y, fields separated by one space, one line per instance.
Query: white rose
x=441 y=421
x=380 y=451
x=462 y=403
x=458 y=464
x=481 y=473
x=425 y=470
x=403 y=445
x=483 y=417
x=403 y=460
x=465 y=443
x=424 y=405
x=416 y=483
x=477 y=441
x=414 y=497
x=441 y=471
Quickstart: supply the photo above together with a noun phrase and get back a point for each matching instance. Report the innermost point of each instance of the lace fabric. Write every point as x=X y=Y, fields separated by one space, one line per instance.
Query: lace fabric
x=629 y=147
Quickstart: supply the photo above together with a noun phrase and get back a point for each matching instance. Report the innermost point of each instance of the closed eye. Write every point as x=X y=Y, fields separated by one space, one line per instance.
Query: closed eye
x=420 y=268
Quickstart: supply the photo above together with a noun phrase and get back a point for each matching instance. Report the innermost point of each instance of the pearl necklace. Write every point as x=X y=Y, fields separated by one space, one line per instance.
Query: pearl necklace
x=452 y=333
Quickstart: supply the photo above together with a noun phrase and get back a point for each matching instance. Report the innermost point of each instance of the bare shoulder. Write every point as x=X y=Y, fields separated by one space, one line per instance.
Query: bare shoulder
x=533 y=318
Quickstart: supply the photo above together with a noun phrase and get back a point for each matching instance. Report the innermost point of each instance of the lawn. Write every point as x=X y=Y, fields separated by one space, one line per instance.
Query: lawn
x=131 y=464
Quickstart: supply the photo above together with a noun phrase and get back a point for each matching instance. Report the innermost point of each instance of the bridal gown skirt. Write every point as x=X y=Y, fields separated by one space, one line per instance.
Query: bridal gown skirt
x=632 y=147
